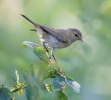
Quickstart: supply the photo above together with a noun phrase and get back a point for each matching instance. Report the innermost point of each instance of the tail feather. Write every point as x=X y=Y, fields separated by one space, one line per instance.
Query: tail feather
x=29 y=20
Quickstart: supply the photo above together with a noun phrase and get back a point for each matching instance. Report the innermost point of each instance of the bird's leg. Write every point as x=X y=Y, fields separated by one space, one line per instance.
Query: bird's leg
x=46 y=50
x=52 y=54
x=59 y=71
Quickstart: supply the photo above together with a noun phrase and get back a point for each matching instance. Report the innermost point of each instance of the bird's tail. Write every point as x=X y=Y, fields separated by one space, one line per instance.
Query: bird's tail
x=29 y=20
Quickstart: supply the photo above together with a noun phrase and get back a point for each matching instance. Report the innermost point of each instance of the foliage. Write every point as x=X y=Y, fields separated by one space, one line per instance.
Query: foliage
x=4 y=93
x=34 y=84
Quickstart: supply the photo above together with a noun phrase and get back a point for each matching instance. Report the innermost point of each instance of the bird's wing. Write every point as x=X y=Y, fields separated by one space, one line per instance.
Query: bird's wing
x=58 y=34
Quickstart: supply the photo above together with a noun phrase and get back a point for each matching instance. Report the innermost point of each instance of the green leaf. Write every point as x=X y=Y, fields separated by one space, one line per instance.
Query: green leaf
x=50 y=74
x=59 y=96
x=39 y=51
x=30 y=44
x=75 y=86
x=49 y=88
x=26 y=79
x=32 y=92
x=41 y=85
x=59 y=82
x=32 y=78
x=18 y=86
x=19 y=89
x=4 y=94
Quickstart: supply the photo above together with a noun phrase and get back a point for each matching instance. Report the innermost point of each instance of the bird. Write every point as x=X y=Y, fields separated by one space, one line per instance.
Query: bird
x=55 y=38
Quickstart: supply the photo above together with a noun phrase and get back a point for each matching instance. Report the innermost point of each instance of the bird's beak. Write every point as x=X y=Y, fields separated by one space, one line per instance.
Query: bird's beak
x=81 y=40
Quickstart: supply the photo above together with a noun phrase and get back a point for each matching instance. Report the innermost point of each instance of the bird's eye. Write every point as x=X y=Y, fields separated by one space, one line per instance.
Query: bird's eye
x=76 y=35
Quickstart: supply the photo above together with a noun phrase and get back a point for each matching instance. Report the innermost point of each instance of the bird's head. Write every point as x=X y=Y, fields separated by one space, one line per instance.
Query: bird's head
x=76 y=34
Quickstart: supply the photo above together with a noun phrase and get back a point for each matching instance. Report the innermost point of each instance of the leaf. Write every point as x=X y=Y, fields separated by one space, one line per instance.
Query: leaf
x=32 y=78
x=17 y=76
x=19 y=89
x=29 y=44
x=41 y=85
x=50 y=74
x=25 y=78
x=18 y=86
x=49 y=88
x=39 y=51
x=59 y=82
x=4 y=94
x=58 y=95
x=75 y=86
x=32 y=92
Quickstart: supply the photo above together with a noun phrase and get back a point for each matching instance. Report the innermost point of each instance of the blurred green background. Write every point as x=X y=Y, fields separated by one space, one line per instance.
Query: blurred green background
x=88 y=63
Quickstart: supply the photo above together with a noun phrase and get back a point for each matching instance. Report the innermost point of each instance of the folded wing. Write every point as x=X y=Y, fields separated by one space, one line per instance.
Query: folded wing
x=58 y=34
